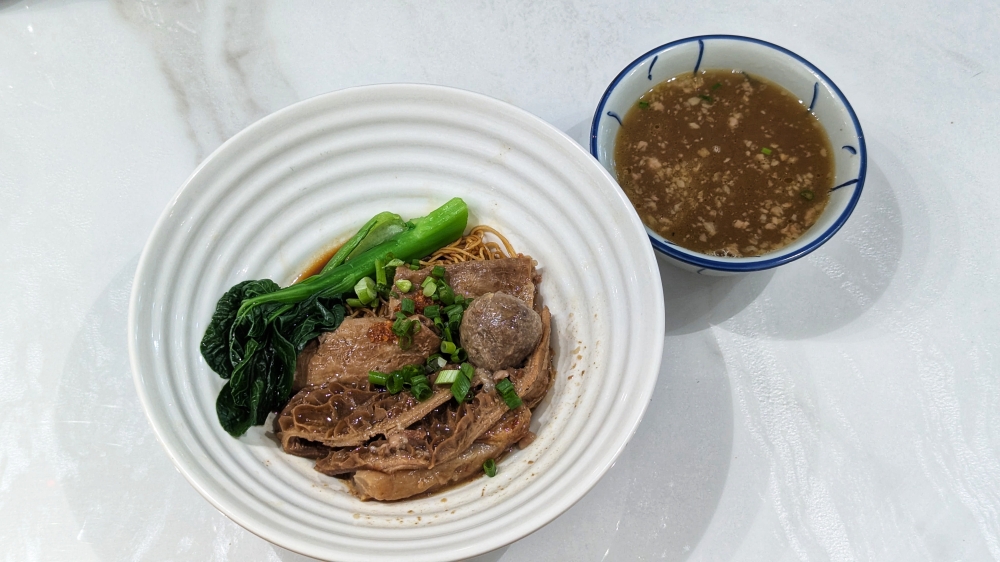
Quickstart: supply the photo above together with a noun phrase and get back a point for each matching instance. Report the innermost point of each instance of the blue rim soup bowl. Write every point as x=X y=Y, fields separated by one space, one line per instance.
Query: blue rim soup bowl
x=813 y=88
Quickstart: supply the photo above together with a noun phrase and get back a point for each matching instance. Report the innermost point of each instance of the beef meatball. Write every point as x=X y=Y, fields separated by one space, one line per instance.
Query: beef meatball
x=498 y=331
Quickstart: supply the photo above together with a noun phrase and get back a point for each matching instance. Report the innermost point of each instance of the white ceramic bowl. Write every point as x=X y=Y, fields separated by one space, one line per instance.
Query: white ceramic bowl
x=306 y=177
x=799 y=76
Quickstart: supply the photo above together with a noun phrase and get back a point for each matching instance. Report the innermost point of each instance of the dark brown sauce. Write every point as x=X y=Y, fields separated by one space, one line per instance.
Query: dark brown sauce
x=724 y=163
x=316 y=265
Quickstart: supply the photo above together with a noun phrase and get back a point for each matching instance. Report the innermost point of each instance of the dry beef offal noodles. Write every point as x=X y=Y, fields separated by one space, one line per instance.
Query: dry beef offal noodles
x=381 y=390
x=724 y=163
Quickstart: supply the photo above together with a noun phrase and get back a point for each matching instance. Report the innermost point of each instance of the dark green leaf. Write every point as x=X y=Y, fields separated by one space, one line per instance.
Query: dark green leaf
x=215 y=345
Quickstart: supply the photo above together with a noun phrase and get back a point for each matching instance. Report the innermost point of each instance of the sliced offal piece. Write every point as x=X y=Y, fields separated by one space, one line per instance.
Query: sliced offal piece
x=499 y=331
x=439 y=437
x=373 y=484
x=533 y=381
x=337 y=414
x=360 y=345
x=514 y=276
x=300 y=434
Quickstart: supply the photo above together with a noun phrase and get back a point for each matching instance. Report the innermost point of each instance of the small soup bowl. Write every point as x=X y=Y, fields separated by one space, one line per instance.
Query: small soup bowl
x=814 y=90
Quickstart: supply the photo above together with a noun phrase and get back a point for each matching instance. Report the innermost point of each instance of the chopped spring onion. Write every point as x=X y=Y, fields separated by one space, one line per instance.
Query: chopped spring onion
x=415 y=264
x=454 y=312
x=355 y=303
x=467 y=370
x=509 y=395
x=395 y=262
x=706 y=98
x=411 y=372
x=394 y=383
x=432 y=311
x=490 y=467
x=437 y=272
x=448 y=347
x=459 y=355
x=404 y=330
x=447 y=376
x=401 y=326
x=427 y=281
x=445 y=293
x=460 y=388
x=434 y=363
x=643 y=104
x=766 y=151
x=407 y=306
x=365 y=289
x=379 y=272
x=404 y=285
x=429 y=288
x=717 y=86
x=807 y=195
x=420 y=388
x=377 y=377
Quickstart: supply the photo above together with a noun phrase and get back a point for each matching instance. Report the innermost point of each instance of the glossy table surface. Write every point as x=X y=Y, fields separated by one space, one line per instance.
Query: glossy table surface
x=843 y=407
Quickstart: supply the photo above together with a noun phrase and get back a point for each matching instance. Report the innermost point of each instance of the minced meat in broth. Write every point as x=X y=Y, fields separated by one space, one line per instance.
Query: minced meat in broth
x=724 y=163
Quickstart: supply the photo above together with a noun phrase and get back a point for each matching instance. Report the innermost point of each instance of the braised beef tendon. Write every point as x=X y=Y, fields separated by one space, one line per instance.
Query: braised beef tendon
x=439 y=437
x=376 y=485
x=391 y=445
x=342 y=415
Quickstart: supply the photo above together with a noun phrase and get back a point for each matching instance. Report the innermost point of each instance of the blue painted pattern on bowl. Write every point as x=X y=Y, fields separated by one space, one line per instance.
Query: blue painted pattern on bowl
x=813 y=88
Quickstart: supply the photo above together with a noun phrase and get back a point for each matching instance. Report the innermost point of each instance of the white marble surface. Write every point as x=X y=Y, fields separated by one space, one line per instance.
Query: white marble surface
x=844 y=407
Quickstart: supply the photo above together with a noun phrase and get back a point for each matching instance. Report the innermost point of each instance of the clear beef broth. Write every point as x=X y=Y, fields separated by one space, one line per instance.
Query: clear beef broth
x=724 y=163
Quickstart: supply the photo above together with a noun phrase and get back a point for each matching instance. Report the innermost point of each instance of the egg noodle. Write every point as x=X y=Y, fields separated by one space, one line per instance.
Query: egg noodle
x=472 y=247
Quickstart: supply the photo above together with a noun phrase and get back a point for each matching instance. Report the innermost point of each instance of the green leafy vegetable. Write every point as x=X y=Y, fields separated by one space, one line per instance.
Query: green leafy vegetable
x=490 y=467
x=643 y=104
x=427 y=234
x=258 y=328
x=375 y=231
x=257 y=352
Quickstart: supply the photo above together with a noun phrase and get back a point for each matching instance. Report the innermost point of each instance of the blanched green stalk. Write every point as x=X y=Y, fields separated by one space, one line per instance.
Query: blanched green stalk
x=382 y=222
x=441 y=227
